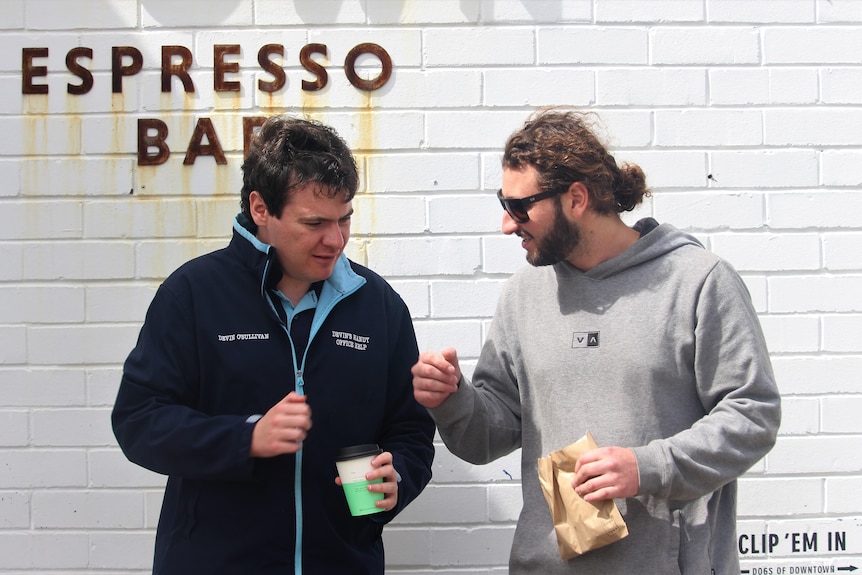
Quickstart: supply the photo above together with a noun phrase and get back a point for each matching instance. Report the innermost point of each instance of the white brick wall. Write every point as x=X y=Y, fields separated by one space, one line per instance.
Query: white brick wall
x=763 y=95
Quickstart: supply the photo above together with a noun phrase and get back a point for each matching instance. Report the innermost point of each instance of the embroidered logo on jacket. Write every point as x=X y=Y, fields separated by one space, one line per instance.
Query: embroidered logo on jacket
x=585 y=339
x=242 y=336
x=352 y=340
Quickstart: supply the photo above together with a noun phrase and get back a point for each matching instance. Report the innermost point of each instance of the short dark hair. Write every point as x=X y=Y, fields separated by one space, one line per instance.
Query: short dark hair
x=563 y=148
x=288 y=152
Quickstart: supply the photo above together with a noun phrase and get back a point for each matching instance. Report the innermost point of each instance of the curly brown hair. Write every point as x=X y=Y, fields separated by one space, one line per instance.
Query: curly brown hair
x=289 y=152
x=563 y=147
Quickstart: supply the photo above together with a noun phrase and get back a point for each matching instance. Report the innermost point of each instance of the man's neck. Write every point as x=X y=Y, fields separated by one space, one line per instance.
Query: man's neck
x=602 y=238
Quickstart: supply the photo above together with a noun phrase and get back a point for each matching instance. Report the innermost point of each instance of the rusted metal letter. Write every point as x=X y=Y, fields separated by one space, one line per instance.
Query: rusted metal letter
x=220 y=68
x=179 y=69
x=204 y=127
x=313 y=67
x=269 y=66
x=350 y=66
x=146 y=141
x=249 y=123
x=117 y=68
x=78 y=70
x=29 y=71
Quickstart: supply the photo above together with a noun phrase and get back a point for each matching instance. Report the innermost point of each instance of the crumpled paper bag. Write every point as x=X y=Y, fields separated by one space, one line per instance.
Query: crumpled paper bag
x=580 y=526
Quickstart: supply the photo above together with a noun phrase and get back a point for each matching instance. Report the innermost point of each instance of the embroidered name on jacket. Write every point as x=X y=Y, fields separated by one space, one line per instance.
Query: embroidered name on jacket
x=585 y=339
x=347 y=339
x=242 y=336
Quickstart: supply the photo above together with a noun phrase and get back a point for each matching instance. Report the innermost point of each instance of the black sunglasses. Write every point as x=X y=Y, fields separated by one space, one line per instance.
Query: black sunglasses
x=517 y=207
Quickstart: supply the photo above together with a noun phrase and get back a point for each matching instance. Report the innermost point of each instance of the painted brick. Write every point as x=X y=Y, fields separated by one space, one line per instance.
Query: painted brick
x=72 y=427
x=767 y=169
x=780 y=497
x=14 y=428
x=769 y=252
x=502 y=255
x=464 y=214
x=102 y=384
x=842 y=333
x=761 y=95
x=842 y=495
x=436 y=503
x=87 y=510
x=386 y=215
x=785 y=11
x=841 y=251
x=841 y=168
x=649 y=11
x=424 y=256
x=165 y=13
x=124 y=550
x=651 y=87
x=759 y=86
x=457 y=299
x=457 y=546
x=593 y=45
x=822 y=454
x=42 y=387
x=501 y=46
x=464 y=336
x=708 y=128
x=827 y=374
x=421 y=172
x=13 y=342
x=498 y=11
x=828 y=127
x=820 y=209
x=55 y=550
x=14 y=510
x=795 y=45
x=817 y=293
x=791 y=334
x=40 y=220
x=32 y=469
x=692 y=45
x=74 y=260
x=799 y=416
x=440 y=12
x=42 y=304
x=70 y=14
x=710 y=210
x=76 y=345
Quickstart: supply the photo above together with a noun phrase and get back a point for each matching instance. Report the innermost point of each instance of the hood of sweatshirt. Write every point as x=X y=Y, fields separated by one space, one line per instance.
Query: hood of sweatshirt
x=656 y=240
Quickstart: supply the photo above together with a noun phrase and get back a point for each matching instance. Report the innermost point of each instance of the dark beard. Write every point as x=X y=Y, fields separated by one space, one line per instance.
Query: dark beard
x=558 y=243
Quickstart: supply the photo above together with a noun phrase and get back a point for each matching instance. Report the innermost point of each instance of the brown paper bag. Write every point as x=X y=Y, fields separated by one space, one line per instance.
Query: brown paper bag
x=580 y=526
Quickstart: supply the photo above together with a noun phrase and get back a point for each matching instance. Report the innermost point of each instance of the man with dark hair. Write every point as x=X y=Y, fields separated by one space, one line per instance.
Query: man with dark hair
x=242 y=346
x=635 y=334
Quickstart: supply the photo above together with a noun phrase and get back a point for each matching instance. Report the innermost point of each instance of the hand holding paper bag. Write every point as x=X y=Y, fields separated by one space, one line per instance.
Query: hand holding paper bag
x=580 y=526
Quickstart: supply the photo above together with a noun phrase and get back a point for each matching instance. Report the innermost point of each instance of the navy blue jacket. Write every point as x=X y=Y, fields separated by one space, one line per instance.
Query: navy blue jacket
x=214 y=351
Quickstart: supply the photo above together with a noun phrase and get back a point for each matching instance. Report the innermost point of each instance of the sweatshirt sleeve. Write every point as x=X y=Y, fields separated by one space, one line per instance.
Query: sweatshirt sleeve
x=481 y=422
x=154 y=418
x=737 y=388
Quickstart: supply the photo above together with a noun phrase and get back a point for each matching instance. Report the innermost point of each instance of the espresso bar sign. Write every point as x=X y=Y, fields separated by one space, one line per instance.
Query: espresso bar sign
x=176 y=62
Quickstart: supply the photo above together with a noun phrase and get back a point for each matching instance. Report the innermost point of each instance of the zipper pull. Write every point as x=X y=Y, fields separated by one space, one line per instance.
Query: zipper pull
x=300 y=383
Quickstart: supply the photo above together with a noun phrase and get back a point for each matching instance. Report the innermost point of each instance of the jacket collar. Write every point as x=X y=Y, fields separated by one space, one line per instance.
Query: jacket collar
x=343 y=279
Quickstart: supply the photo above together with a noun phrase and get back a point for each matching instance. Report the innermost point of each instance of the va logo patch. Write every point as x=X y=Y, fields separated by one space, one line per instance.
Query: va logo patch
x=585 y=339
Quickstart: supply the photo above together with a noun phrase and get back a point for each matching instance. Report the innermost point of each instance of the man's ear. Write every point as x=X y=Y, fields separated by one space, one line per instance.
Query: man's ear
x=257 y=207
x=577 y=199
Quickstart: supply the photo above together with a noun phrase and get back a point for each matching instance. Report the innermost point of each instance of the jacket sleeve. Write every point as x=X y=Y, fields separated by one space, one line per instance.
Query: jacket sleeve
x=154 y=416
x=408 y=432
x=737 y=388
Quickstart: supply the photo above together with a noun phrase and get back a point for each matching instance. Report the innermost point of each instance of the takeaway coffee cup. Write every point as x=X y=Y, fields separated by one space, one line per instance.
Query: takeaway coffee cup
x=353 y=463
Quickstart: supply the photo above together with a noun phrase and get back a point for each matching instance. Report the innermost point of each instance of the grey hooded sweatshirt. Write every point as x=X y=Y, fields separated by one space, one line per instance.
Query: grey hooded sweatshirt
x=658 y=349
